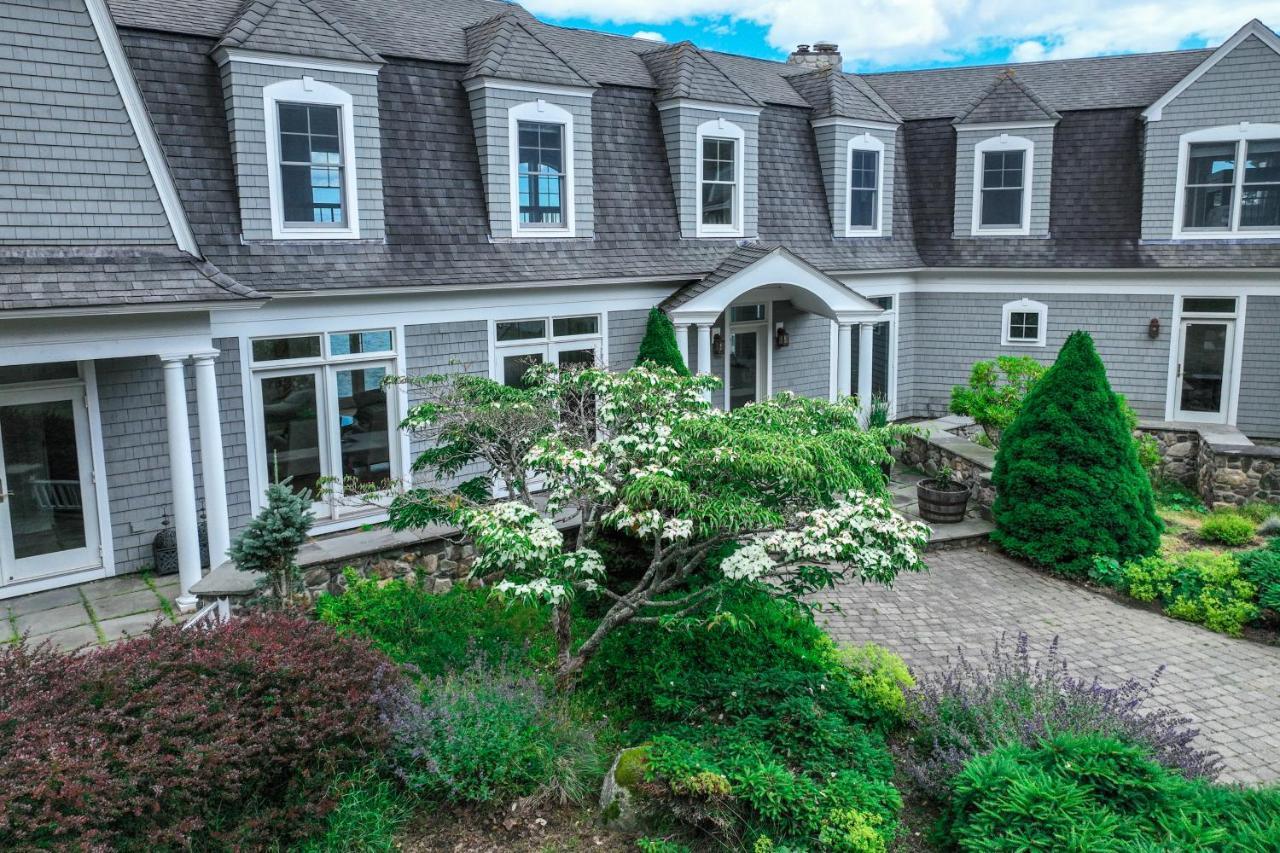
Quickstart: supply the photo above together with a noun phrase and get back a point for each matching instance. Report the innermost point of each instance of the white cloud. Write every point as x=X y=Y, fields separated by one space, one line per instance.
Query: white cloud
x=873 y=33
x=648 y=35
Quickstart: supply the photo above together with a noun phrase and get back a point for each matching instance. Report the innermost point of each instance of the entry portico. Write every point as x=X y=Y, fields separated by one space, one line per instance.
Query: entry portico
x=740 y=294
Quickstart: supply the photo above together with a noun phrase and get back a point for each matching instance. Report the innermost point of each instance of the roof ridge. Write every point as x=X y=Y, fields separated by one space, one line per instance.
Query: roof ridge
x=253 y=12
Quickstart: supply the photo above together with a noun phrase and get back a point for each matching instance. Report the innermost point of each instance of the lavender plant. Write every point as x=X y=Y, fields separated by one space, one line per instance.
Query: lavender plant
x=972 y=707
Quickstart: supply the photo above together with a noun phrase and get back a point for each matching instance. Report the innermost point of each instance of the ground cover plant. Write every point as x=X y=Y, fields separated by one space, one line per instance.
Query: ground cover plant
x=1227 y=527
x=1069 y=485
x=218 y=737
x=1196 y=586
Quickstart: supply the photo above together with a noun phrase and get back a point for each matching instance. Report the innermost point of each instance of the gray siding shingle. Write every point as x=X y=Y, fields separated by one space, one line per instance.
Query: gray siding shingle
x=445 y=349
x=680 y=129
x=626 y=330
x=804 y=367
x=1259 y=409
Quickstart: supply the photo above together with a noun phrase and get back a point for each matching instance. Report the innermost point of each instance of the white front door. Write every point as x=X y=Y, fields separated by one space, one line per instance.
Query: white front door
x=48 y=511
x=1204 y=370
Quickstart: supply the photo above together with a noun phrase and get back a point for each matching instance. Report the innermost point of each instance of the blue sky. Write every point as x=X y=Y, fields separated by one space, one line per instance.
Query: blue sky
x=878 y=35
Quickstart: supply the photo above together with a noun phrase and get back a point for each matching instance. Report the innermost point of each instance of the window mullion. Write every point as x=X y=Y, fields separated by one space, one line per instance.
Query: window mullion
x=1238 y=186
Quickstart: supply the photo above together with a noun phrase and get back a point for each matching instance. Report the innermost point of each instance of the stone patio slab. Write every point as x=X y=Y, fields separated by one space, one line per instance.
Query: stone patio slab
x=129 y=626
x=141 y=601
x=38 y=601
x=48 y=621
x=70 y=638
x=120 y=585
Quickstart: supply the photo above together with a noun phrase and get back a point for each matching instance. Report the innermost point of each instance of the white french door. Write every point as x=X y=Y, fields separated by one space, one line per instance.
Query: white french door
x=745 y=365
x=1204 y=370
x=48 y=507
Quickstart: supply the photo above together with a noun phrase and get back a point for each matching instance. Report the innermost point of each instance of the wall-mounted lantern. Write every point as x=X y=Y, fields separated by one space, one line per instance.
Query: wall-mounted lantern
x=781 y=338
x=1153 y=328
x=717 y=344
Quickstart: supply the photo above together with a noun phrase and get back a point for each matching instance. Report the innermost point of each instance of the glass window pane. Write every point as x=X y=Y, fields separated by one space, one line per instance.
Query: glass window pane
x=885 y=302
x=1260 y=206
x=1208 y=207
x=514 y=367
x=576 y=359
x=1024 y=326
x=862 y=209
x=1001 y=207
x=364 y=424
x=293 y=118
x=1002 y=169
x=291 y=430
x=863 y=167
x=350 y=343
x=323 y=119
x=717 y=204
x=275 y=349
x=1211 y=163
x=311 y=164
x=746 y=313
x=294 y=148
x=1209 y=305
x=521 y=330
x=564 y=326
x=42 y=476
x=540 y=173
x=1204 y=367
x=12 y=373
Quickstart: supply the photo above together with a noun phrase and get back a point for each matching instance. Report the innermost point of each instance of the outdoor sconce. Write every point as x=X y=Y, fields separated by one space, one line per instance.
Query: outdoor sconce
x=717 y=344
x=1153 y=328
x=781 y=339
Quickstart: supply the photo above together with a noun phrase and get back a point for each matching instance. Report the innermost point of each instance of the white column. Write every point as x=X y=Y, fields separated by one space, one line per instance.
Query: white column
x=704 y=352
x=182 y=478
x=866 y=350
x=844 y=361
x=682 y=341
x=212 y=469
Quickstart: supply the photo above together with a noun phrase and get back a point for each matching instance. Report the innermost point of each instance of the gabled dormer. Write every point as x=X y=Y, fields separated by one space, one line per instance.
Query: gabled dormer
x=1004 y=157
x=856 y=132
x=712 y=132
x=532 y=116
x=1211 y=148
x=301 y=95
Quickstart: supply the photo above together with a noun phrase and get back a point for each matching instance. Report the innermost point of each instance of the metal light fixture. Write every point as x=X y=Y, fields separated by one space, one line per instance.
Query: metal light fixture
x=1153 y=328
x=781 y=338
x=717 y=344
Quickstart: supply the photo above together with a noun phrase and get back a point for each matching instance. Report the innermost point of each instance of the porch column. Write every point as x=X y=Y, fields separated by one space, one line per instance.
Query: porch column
x=866 y=350
x=704 y=353
x=182 y=478
x=682 y=341
x=212 y=470
x=844 y=361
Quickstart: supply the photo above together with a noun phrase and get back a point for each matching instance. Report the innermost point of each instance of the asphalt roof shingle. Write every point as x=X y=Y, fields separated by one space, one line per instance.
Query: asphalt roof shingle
x=833 y=94
x=296 y=27
x=1007 y=99
x=505 y=47
x=681 y=70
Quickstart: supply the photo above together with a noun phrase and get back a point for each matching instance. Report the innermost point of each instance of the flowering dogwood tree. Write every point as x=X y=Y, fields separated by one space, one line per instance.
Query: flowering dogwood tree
x=786 y=495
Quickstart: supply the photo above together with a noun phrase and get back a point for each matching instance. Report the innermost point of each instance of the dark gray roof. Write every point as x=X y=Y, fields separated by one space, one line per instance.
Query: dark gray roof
x=834 y=94
x=296 y=27
x=735 y=262
x=1007 y=99
x=504 y=46
x=83 y=277
x=682 y=71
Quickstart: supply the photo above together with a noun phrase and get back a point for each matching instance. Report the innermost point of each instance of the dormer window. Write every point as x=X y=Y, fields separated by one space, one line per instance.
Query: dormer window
x=1002 y=181
x=541 y=170
x=866 y=186
x=1232 y=186
x=541 y=174
x=719 y=179
x=311 y=175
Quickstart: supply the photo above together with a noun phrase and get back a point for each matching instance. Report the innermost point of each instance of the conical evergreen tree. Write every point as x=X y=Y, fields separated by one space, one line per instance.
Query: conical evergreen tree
x=659 y=344
x=1068 y=482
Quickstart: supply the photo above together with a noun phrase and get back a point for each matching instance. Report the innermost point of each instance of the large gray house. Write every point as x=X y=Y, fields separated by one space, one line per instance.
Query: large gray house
x=225 y=221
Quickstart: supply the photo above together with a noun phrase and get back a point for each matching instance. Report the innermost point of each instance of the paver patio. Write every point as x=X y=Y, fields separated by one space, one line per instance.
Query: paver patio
x=98 y=613
x=1230 y=687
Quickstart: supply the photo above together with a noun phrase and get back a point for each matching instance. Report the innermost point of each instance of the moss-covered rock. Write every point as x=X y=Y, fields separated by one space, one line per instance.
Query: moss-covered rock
x=621 y=791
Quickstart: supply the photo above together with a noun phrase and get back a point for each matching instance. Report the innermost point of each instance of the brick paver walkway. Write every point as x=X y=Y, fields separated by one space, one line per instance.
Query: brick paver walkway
x=1230 y=687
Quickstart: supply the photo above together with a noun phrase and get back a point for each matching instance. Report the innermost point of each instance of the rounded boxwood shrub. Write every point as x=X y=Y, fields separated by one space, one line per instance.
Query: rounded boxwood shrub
x=659 y=344
x=1227 y=528
x=228 y=737
x=1069 y=486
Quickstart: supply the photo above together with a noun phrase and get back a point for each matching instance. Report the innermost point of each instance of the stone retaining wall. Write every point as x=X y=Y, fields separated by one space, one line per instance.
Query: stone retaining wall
x=1233 y=475
x=1179 y=454
x=944 y=443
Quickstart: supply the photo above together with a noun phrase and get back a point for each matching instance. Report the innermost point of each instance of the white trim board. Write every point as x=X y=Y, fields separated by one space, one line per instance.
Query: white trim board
x=223 y=55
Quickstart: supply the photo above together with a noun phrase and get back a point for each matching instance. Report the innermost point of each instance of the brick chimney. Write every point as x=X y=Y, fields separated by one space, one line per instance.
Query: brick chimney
x=822 y=53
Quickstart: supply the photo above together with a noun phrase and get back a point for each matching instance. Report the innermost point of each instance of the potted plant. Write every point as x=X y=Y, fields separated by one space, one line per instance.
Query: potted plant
x=942 y=499
x=878 y=418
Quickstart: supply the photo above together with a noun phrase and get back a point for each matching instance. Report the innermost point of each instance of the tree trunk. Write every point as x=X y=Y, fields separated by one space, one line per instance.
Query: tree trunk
x=567 y=665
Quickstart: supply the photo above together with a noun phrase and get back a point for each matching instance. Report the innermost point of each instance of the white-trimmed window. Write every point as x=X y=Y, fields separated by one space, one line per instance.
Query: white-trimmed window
x=1229 y=182
x=541 y=156
x=720 y=152
x=311 y=172
x=567 y=341
x=1002 y=186
x=322 y=412
x=866 y=186
x=1024 y=324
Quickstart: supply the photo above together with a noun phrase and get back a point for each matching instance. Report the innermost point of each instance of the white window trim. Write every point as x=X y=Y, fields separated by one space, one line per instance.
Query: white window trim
x=864 y=142
x=719 y=128
x=1235 y=133
x=1024 y=306
x=1236 y=364
x=549 y=345
x=308 y=90
x=1003 y=142
x=545 y=113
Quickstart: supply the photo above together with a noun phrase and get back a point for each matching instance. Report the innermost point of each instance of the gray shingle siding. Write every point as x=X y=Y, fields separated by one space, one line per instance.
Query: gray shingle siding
x=626 y=330
x=490 y=115
x=235 y=432
x=1041 y=176
x=943 y=334
x=72 y=171
x=680 y=129
x=1243 y=86
x=1259 y=409
x=833 y=151
x=445 y=349
x=804 y=367
x=242 y=85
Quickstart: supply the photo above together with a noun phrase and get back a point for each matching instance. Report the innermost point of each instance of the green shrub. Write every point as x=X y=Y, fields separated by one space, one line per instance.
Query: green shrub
x=1261 y=567
x=1093 y=794
x=995 y=392
x=1227 y=527
x=1198 y=586
x=880 y=677
x=1068 y=482
x=1172 y=495
x=436 y=633
x=371 y=810
x=1259 y=511
x=659 y=345
x=270 y=541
